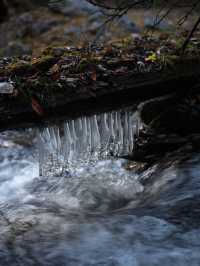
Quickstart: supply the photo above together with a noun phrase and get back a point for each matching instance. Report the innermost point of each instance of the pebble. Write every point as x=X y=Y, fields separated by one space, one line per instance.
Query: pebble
x=6 y=88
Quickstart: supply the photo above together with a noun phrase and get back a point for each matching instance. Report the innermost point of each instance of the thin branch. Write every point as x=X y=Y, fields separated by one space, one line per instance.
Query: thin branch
x=184 y=18
x=190 y=35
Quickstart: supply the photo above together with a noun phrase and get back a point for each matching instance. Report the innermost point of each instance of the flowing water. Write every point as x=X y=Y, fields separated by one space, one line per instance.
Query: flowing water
x=85 y=208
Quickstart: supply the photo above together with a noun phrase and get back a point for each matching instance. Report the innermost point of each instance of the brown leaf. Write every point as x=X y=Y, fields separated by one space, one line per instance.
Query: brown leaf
x=94 y=75
x=55 y=68
x=37 y=107
x=55 y=72
x=109 y=50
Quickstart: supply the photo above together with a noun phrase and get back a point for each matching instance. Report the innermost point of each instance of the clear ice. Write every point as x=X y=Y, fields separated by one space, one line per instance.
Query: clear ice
x=85 y=140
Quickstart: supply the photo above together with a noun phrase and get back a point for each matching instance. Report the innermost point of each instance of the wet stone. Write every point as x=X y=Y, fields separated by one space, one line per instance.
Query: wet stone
x=6 y=88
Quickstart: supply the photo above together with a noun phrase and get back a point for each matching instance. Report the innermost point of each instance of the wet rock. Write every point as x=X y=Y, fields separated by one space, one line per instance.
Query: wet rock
x=137 y=167
x=23 y=138
x=173 y=114
x=68 y=11
x=153 y=146
x=6 y=88
x=182 y=118
x=72 y=8
x=83 y=5
x=6 y=144
x=150 y=109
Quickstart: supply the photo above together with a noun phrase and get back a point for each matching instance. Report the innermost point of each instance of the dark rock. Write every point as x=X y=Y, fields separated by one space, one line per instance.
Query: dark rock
x=152 y=108
x=150 y=147
x=72 y=8
x=17 y=48
x=172 y=114
x=166 y=116
x=182 y=118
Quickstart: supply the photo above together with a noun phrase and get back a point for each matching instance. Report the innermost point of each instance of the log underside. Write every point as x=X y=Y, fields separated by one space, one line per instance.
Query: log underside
x=98 y=96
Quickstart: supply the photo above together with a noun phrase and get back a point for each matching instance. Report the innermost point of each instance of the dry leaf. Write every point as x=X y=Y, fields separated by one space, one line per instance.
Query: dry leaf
x=37 y=107
x=55 y=72
x=94 y=75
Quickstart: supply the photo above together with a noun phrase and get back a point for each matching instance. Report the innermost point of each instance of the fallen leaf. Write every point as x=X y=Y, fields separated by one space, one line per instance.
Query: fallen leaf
x=109 y=50
x=55 y=68
x=37 y=107
x=94 y=75
x=151 y=58
x=55 y=72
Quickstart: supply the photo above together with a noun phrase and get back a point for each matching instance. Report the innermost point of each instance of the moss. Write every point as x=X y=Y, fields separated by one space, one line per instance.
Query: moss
x=123 y=42
x=54 y=51
x=181 y=63
x=1 y=52
x=87 y=64
x=44 y=62
x=34 y=77
x=19 y=67
x=169 y=60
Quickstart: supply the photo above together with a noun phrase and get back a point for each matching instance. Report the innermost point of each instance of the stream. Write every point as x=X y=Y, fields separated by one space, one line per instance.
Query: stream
x=99 y=212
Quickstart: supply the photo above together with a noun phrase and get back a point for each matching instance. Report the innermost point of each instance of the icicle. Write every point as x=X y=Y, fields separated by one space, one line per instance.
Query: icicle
x=95 y=136
x=84 y=140
x=130 y=132
x=126 y=134
x=111 y=147
x=89 y=136
x=105 y=134
x=67 y=145
x=117 y=133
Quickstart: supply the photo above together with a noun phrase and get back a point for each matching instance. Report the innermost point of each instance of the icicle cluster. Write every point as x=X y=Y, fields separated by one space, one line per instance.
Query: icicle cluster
x=85 y=140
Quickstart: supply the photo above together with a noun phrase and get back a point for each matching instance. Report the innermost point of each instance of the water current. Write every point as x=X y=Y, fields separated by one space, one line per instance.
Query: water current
x=95 y=211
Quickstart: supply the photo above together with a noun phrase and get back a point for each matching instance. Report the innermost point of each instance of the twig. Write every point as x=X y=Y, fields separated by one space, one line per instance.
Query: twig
x=185 y=44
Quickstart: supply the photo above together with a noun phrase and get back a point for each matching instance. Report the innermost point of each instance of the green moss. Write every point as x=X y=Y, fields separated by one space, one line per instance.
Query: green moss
x=19 y=68
x=86 y=64
x=1 y=52
x=44 y=62
x=169 y=60
x=181 y=63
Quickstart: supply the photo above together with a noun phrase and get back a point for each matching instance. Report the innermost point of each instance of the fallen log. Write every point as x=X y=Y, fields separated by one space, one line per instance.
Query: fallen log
x=69 y=82
x=168 y=123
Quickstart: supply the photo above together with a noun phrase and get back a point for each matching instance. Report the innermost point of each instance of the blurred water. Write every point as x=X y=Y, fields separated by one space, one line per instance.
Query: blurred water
x=101 y=215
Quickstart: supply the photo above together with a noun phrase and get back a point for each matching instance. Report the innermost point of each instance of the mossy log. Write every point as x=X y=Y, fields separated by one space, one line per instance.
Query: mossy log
x=66 y=82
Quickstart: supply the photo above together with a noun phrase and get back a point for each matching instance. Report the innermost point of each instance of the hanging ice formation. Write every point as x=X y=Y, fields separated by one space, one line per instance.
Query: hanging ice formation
x=85 y=140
